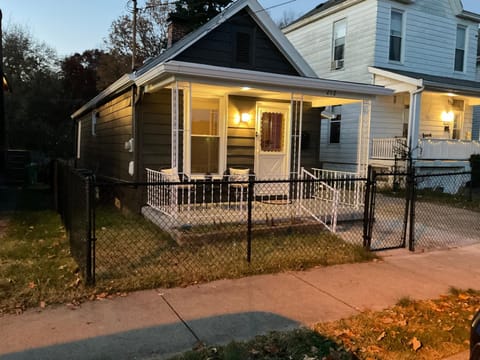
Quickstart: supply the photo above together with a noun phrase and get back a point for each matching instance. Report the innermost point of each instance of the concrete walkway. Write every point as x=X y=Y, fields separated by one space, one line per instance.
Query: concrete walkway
x=158 y=323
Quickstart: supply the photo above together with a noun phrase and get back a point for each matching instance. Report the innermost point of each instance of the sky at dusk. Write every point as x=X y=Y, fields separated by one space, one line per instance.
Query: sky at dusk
x=71 y=26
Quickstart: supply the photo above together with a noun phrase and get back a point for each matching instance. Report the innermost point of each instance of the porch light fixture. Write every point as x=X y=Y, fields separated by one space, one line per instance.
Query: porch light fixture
x=245 y=118
x=246 y=88
x=447 y=116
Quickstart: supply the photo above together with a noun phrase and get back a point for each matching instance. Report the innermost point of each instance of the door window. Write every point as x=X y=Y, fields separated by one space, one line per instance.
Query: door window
x=272 y=132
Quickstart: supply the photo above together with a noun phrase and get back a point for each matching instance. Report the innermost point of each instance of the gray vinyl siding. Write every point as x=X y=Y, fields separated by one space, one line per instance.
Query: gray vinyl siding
x=240 y=138
x=314 y=42
x=156 y=130
x=218 y=48
x=430 y=38
x=476 y=123
x=341 y=156
x=105 y=153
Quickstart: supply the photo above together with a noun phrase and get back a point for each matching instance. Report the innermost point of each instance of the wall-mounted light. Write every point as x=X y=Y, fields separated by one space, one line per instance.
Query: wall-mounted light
x=447 y=116
x=246 y=88
x=245 y=118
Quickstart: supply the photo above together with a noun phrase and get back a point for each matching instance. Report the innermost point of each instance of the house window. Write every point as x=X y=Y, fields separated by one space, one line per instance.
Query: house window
x=339 y=34
x=460 y=48
x=205 y=138
x=335 y=124
x=396 y=33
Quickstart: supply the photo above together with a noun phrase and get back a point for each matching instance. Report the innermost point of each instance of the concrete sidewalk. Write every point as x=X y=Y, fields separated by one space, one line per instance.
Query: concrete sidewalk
x=159 y=323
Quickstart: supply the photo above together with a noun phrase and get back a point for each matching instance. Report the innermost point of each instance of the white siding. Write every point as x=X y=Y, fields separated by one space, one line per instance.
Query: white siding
x=388 y=116
x=314 y=42
x=430 y=38
x=342 y=156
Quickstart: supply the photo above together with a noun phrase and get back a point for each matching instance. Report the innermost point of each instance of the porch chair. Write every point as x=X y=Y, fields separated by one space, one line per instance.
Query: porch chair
x=171 y=175
x=239 y=190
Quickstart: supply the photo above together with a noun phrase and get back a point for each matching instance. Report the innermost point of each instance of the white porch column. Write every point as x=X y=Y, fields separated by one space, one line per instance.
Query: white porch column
x=414 y=121
x=175 y=126
x=363 y=142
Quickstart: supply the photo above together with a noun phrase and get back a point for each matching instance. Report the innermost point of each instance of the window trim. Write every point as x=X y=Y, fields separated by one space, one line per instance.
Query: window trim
x=402 y=38
x=333 y=65
x=465 y=28
x=187 y=136
x=336 y=120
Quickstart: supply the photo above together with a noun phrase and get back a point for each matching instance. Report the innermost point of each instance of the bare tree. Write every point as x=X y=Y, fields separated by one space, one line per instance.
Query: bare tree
x=287 y=17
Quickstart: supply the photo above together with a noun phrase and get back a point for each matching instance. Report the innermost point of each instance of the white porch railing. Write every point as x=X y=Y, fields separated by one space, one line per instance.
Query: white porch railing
x=351 y=189
x=444 y=149
x=205 y=198
x=324 y=211
x=386 y=149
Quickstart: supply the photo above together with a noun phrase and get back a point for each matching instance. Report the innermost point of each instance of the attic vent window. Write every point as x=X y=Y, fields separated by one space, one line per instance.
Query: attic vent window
x=243 y=48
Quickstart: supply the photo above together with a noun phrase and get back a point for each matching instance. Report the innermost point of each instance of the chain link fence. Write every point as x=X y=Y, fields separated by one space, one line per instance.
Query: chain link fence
x=173 y=232
x=422 y=211
x=204 y=230
x=73 y=203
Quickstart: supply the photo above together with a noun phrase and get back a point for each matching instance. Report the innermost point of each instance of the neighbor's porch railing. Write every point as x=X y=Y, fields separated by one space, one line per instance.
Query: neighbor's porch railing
x=444 y=149
x=387 y=148
x=351 y=190
x=430 y=149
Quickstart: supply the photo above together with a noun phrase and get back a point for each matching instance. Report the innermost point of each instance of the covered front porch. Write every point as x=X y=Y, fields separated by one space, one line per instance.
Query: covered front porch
x=226 y=129
x=432 y=117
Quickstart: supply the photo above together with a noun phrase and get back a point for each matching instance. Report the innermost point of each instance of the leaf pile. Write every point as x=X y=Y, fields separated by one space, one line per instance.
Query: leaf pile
x=430 y=329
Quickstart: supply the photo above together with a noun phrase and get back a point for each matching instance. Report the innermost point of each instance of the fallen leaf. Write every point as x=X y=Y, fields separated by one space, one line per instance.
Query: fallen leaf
x=387 y=320
x=463 y=297
x=31 y=285
x=43 y=304
x=382 y=336
x=402 y=323
x=416 y=344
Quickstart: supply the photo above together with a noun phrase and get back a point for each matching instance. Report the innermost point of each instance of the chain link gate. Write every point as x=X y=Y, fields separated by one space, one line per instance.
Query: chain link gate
x=389 y=211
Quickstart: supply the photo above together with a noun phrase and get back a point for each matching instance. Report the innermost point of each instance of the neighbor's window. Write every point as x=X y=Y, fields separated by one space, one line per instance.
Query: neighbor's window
x=205 y=138
x=339 y=34
x=335 y=125
x=460 y=48
x=396 y=31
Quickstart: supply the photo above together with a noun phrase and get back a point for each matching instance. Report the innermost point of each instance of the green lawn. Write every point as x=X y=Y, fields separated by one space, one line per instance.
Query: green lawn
x=36 y=268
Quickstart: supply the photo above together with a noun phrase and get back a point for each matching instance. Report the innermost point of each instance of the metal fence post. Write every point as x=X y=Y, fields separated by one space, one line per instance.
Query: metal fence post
x=411 y=240
x=249 y=218
x=366 y=213
x=88 y=207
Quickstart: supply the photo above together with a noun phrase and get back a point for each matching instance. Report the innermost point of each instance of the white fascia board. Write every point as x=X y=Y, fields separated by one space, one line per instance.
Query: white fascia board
x=467 y=15
x=320 y=15
x=395 y=76
x=121 y=84
x=240 y=77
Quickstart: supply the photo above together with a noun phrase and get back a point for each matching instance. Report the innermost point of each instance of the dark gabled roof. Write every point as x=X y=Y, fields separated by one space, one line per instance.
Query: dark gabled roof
x=258 y=14
x=441 y=83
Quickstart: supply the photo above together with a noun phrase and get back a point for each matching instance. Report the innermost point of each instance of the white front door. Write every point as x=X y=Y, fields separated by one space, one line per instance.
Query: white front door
x=272 y=146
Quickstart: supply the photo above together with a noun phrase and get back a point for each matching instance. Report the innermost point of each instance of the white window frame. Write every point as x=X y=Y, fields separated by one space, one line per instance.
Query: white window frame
x=338 y=64
x=187 y=139
x=465 y=29
x=402 y=36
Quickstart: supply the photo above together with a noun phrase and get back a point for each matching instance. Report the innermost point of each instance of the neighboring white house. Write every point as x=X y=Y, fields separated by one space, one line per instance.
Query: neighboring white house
x=425 y=50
